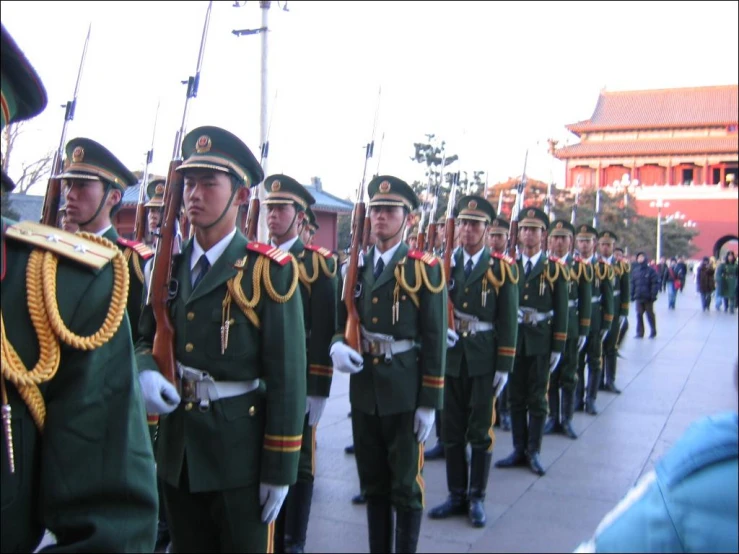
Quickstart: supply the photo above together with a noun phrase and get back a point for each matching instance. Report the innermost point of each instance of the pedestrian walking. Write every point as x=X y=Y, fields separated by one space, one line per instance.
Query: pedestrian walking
x=644 y=290
x=706 y=283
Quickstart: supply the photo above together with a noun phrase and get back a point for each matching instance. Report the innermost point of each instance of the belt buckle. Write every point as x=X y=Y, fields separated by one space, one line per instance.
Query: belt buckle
x=374 y=348
x=465 y=326
x=529 y=317
x=189 y=390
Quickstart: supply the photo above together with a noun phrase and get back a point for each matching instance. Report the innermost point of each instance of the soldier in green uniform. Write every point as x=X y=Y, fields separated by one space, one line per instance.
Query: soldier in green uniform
x=621 y=296
x=229 y=447
x=542 y=333
x=397 y=381
x=287 y=202
x=498 y=243
x=75 y=459
x=601 y=318
x=561 y=235
x=485 y=296
x=310 y=226
x=94 y=182
x=154 y=208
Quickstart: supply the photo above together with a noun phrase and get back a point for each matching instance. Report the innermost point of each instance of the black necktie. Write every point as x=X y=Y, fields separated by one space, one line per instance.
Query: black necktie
x=379 y=266
x=528 y=267
x=204 y=265
x=468 y=268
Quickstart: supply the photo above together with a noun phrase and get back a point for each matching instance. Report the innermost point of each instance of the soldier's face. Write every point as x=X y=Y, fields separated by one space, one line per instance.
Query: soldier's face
x=387 y=221
x=561 y=245
x=154 y=218
x=207 y=194
x=498 y=242
x=305 y=234
x=68 y=225
x=585 y=246
x=282 y=218
x=606 y=249
x=83 y=197
x=530 y=236
x=471 y=233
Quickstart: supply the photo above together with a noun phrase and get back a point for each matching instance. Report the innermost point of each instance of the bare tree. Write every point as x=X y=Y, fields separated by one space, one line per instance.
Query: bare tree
x=31 y=173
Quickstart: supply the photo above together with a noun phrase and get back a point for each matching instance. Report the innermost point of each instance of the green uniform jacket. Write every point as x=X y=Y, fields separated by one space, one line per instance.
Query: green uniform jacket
x=544 y=290
x=89 y=477
x=501 y=309
x=581 y=275
x=601 y=316
x=726 y=280
x=622 y=283
x=318 y=292
x=414 y=378
x=241 y=440
x=136 y=254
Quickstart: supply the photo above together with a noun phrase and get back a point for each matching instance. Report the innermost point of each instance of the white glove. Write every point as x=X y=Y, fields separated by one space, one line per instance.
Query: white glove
x=622 y=321
x=554 y=358
x=581 y=340
x=451 y=338
x=271 y=498
x=423 y=421
x=346 y=359
x=499 y=381
x=160 y=395
x=314 y=407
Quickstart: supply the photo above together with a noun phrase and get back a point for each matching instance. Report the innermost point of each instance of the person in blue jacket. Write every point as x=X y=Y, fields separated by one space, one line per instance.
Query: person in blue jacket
x=688 y=503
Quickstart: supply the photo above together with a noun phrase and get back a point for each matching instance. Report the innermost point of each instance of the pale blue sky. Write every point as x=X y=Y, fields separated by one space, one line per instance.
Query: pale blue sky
x=493 y=78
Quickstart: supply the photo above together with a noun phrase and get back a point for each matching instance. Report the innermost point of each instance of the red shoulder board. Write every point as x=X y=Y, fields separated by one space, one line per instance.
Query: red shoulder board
x=425 y=257
x=139 y=247
x=272 y=252
x=557 y=260
x=604 y=262
x=325 y=252
x=503 y=257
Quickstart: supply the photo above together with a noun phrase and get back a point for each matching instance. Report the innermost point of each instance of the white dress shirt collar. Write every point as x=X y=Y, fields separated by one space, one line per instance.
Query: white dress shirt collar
x=286 y=246
x=214 y=253
x=386 y=256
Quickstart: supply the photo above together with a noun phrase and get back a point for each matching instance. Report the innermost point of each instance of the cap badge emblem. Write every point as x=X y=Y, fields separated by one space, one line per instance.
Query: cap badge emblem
x=159 y=190
x=559 y=225
x=78 y=154
x=584 y=229
x=531 y=213
x=276 y=186
x=384 y=187
x=203 y=145
x=472 y=205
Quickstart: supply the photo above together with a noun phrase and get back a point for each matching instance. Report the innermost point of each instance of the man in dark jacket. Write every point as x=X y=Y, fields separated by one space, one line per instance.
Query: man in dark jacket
x=644 y=290
x=682 y=271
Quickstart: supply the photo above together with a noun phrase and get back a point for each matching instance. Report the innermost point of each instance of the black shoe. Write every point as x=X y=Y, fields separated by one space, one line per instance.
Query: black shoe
x=579 y=406
x=359 y=499
x=516 y=459
x=534 y=464
x=505 y=421
x=454 y=505
x=349 y=449
x=601 y=386
x=652 y=335
x=590 y=407
x=551 y=426
x=638 y=336
x=476 y=512
x=610 y=387
x=568 y=430
x=435 y=453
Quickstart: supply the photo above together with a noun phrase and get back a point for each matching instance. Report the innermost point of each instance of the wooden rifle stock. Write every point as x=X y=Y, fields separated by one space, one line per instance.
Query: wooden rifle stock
x=163 y=349
x=352 y=330
x=50 y=211
x=431 y=237
x=140 y=224
x=421 y=241
x=448 y=250
x=252 y=219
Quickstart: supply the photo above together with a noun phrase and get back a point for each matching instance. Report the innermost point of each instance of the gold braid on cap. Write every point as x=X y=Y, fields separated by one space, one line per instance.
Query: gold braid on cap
x=43 y=310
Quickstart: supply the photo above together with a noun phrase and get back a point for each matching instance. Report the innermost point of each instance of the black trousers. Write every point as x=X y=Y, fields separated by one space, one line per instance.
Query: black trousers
x=641 y=308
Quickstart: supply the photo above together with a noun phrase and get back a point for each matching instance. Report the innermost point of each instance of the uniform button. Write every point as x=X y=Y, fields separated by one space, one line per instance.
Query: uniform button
x=403 y=297
x=188 y=406
x=190 y=316
x=466 y=290
x=374 y=300
x=526 y=286
x=189 y=347
x=374 y=320
x=464 y=305
x=252 y=410
x=375 y=361
x=525 y=296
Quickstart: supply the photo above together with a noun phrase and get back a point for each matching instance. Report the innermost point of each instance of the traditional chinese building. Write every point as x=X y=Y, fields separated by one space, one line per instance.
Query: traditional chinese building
x=677 y=146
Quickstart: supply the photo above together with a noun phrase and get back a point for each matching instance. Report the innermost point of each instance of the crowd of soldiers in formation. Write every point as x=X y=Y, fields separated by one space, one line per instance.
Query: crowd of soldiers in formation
x=442 y=344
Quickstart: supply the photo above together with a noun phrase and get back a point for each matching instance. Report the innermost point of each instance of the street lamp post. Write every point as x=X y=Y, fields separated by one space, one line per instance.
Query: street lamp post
x=659 y=204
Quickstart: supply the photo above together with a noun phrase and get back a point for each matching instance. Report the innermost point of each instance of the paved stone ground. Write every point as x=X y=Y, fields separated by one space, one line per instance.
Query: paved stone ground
x=668 y=382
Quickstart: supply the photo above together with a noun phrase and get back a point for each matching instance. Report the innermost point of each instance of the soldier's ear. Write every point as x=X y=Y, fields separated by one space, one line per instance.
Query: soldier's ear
x=242 y=196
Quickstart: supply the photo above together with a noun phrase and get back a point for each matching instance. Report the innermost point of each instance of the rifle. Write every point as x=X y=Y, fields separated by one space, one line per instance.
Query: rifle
x=449 y=246
x=163 y=348
x=597 y=208
x=424 y=213
x=352 y=330
x=573 y=216
x=140 y=224
x=252 y=218
x=50 y=210
x=432 y=217
x=517 y=207
x=548 y=211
